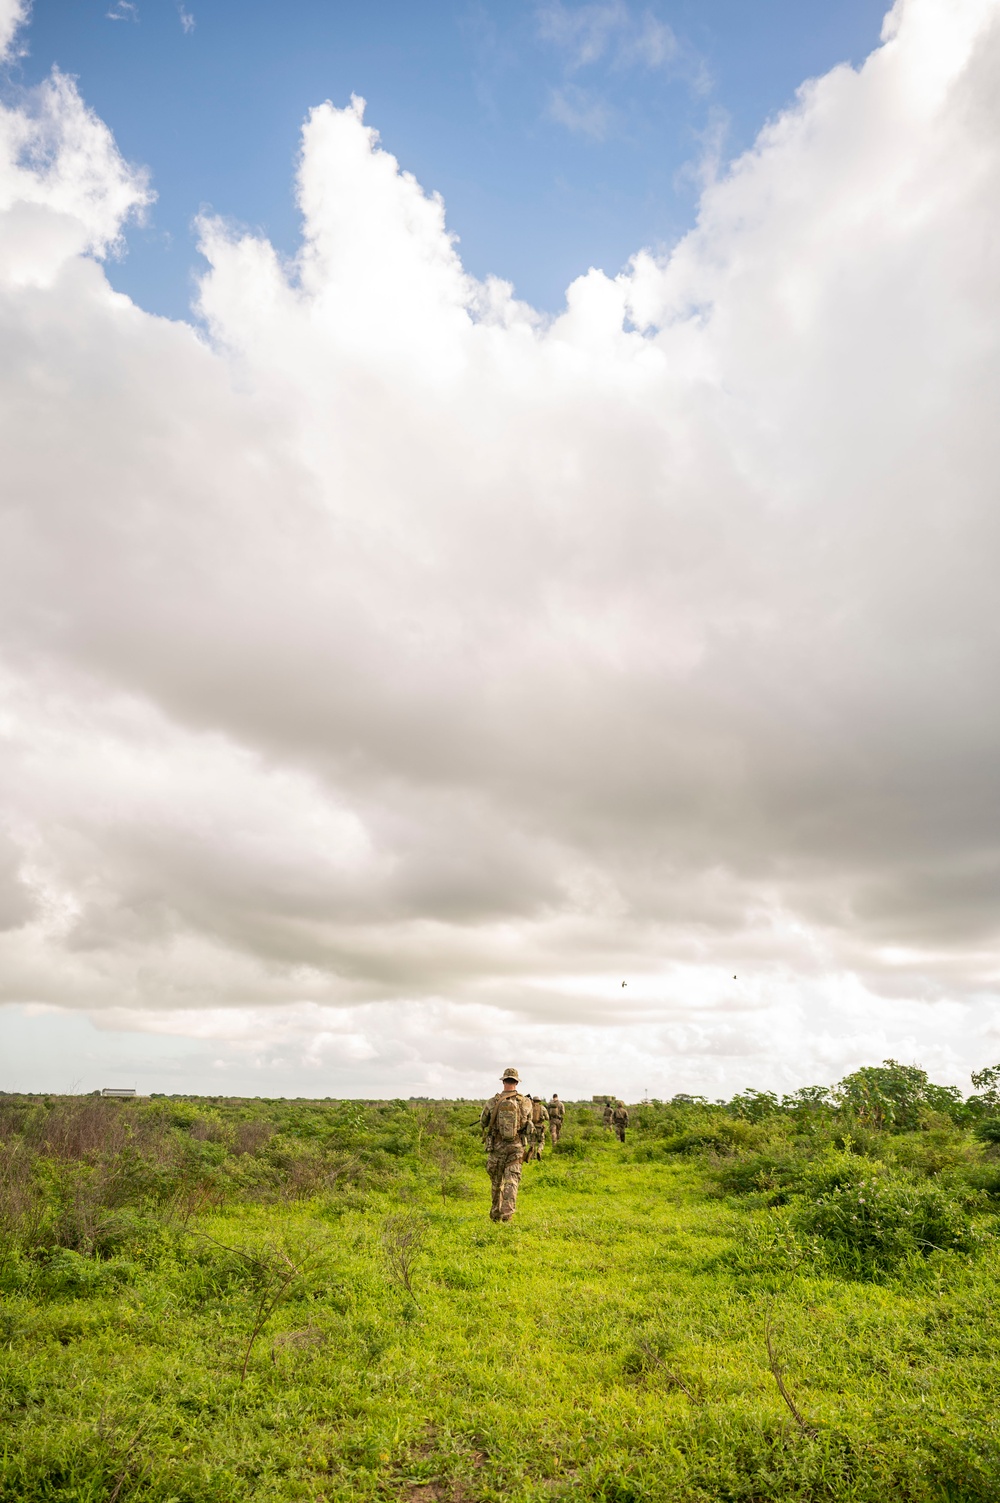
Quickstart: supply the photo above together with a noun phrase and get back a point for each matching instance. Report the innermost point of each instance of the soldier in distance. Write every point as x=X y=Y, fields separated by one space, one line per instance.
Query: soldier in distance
x=505 y=1121
x=619 y=1120
x=536 y=1132
x=556 y=1114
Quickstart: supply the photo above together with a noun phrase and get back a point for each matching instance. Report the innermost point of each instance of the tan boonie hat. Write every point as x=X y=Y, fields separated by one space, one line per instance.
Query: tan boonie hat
x=510 y=1074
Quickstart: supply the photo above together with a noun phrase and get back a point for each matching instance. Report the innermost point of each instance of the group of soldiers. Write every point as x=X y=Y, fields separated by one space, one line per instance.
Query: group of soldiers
x=514 y=1127
x=616 y=1117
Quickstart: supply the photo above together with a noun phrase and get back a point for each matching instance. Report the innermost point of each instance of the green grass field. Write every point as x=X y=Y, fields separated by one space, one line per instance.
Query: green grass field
x=210 y=1301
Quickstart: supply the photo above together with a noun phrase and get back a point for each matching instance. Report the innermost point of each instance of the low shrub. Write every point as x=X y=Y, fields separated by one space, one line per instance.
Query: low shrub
x=648 y=1153
x=724 y=1136
x=768 y=1249
x=864 y=1142
x=769 y=1173
x=935 y=1151
x=454 y=1187
x=871 y=1220
x=572 y=1148
x=985 y=1178
x=68 y=1273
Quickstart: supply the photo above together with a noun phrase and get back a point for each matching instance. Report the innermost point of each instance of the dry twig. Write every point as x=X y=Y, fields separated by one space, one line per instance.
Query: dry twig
x=778 y=1373
x=274 y=1274
x=123 y=1474
x=671 y=1377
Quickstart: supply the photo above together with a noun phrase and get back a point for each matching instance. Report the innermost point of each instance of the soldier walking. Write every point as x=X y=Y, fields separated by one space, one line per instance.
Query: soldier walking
x=609 y=1111
x=556 y=1114
x=505 y=1121
x=536 y=1132
x=619 y=1120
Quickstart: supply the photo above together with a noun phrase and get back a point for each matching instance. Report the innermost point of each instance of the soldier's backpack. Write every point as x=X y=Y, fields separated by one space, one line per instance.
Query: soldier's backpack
x=506 y=1117
x=536 y=1112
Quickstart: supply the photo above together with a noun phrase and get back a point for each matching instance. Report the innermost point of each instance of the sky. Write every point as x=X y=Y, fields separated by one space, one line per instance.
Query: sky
x=498 y=517
x=560 y=136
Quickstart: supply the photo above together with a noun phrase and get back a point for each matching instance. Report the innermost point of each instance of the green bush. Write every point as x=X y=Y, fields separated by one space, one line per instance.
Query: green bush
x=870 y=1219
x=723 y=1135
x=985 y=1178
x=573 y=1148
x=935 y=1151
x=67 y=1273
x=769 y=1173
x=454 y=1187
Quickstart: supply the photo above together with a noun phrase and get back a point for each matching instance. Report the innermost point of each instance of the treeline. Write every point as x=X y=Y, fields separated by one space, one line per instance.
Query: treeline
x=887 y=1097
x=883 y=1171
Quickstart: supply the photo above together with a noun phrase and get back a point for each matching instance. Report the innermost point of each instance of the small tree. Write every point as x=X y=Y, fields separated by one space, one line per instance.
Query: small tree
x=987 y=1083
x=403 y=1238
x=753 y=1106
x=893 y=1097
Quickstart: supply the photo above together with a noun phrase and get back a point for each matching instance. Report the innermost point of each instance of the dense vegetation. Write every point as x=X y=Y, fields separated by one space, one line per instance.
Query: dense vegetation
x=760 y=1299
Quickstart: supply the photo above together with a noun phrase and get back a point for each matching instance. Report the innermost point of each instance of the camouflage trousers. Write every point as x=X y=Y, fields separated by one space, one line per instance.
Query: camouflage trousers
x=555 y=1130
x=503 y=1165
x=536 y=1142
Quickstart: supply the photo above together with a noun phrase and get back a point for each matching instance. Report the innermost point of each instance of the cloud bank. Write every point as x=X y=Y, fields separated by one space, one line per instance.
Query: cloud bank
x=392 y=672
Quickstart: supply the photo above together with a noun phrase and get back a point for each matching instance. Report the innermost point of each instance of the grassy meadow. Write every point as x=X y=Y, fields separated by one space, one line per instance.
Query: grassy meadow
x=209 y=1300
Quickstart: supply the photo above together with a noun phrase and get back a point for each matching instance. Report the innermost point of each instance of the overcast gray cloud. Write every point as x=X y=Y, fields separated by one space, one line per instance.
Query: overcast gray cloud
x=390 y=672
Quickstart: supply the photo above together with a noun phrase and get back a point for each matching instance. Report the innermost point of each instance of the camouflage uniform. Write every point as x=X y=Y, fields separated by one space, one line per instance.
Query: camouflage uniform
x=608 y=1118
x=536 y=1132
x=556 y=1114
x=619 y=1121
x=504 y=1157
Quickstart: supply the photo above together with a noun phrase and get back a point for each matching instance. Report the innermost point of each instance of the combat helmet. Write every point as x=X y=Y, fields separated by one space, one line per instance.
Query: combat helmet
x=510 y=1074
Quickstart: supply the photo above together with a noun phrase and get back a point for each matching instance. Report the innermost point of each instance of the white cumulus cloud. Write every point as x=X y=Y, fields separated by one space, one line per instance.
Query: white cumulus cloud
x=13 y=14
x=389 y=672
